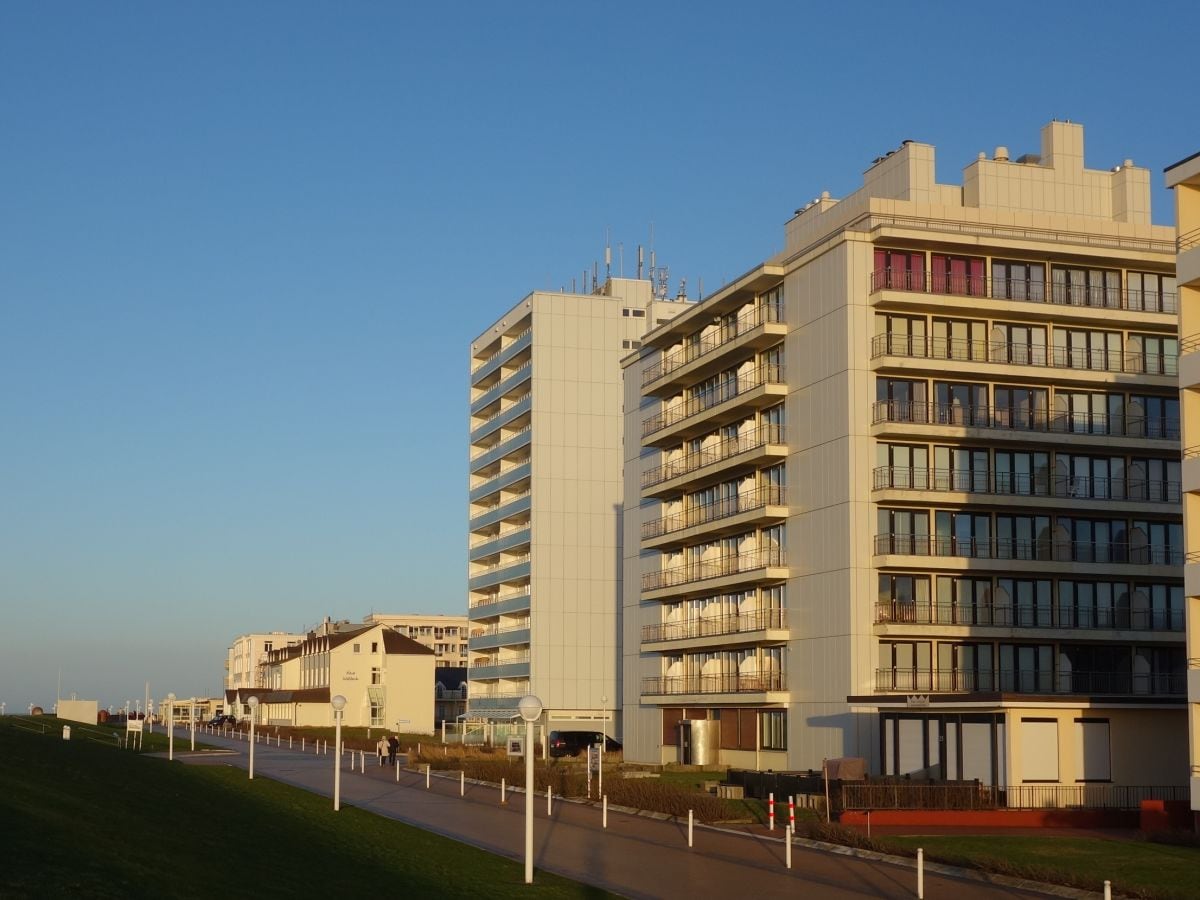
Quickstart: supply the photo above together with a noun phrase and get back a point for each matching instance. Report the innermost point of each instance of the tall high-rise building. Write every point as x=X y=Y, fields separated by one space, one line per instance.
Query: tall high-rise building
x=1184 y=177
x=910 y=490
x=546 y=500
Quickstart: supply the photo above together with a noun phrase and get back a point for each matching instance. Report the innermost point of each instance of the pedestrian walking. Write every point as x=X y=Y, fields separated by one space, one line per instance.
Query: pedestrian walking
x=381 y=749
x=393 y=746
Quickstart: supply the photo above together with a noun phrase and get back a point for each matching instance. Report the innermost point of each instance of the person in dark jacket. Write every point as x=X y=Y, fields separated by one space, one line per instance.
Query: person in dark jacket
x=393 y=746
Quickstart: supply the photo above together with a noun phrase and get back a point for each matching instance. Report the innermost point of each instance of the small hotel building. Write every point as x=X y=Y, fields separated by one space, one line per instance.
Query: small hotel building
x=911 y=489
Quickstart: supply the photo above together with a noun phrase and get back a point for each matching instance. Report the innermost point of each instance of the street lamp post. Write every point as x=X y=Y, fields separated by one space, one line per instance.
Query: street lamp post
x=192 y=720
x=530 y=709
x=603 y=742
x=338 y=703
x=253 y=704
x=170 y=726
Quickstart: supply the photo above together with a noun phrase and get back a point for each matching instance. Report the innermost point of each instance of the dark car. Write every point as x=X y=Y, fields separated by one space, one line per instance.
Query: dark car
x=222 y=722
x=572 y=743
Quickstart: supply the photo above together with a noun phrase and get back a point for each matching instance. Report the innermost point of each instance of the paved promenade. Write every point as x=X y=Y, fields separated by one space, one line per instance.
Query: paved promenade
x=637 y=856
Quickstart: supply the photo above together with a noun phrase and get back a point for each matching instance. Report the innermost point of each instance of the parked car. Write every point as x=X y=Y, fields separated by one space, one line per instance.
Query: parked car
x=222 y=722
x=572 y=743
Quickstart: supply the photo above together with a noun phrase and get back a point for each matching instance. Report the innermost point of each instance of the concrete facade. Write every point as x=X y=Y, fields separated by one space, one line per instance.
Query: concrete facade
x=1184 y=177
x=545 y=498
x=910 y=490
x=248 y=652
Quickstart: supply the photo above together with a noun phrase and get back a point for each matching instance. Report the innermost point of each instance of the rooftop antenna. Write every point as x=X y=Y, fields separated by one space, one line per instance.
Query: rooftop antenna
x=607 y=257
x=641 y=260
x=699 y=289
x=595 y=274
x=621 y=257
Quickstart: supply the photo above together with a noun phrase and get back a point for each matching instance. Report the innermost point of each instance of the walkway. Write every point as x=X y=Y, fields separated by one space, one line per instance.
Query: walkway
x=637 y=856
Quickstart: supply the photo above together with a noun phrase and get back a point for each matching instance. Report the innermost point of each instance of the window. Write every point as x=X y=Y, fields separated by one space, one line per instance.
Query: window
x=961 y=403
x=1093 y=604
x=963 y=534
x=631 y=345
x=1080 y=412
x=1153 y=354
x=1022 y=472
x=1159 y=543
x=899 y=400
x=1151 y=292
x=357 y=648
x=902 y=531
x=905 y=666
x=961 y=275
x=627 y=312
x=1027 y=668
x=1022 y=408
x=374 y=646
x=1092 y=760
x=903 y=598
x=1022 y=601
x=1039 y=750
x=964 y=601
x=903 y=466
x=1018 y=281
x=964 y=668
x=962 y=339
x=376 y=676
x=1023 y=345
x=899 y=270
x=774 y=729
x=960 y=469
x=1155 y=417
x=1081 y=348
x=1085 y=287
x=899 y=336
x=1091 y=477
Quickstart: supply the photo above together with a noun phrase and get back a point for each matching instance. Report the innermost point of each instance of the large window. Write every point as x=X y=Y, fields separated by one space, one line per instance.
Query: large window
x=1022 y=472
x=900 y=270
x=961 y=403
x=960 y=469
x=1081 y=348
x=1152 y=292
x=1086 y=287
x=1022 y=408
x=962 y=275
x=1023 y=345
x=1155 y=417
x=903 y=466
x=963 y=534
x=963 y=339
x=1018 y=280
x=774 y=729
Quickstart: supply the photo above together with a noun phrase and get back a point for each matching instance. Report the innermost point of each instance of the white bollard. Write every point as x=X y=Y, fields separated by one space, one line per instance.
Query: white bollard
x=689 y=828
x=1107 y=889
x=362 y=761
x=397 y=771
x=502 y=786
x=549 y=794
x=788 y=844
x=604 y=820
x=426 y=776
x=462 y=783
x=920 y=874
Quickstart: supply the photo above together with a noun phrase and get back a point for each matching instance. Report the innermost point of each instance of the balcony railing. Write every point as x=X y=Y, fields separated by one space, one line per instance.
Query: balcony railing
x=1009 y=418
x=1083 y=487
x=722 y=683
x=500 y=598
x=715 y=626
x=485 y=632
x=1031 y=681
x=488 y=359
x=704 y=569
x=1041 y=549
x=1188 y=241
x=747 y=321
x=722 y=450
x=1025 y=290
x=504 y=661
x=758 y=498
x=1009 y=616
x=725 y=390
x=1008 y=353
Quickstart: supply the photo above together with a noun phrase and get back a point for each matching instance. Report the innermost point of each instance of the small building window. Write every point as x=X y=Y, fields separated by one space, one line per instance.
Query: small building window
x=357 y=648
x=774 y=729
x=631 y=345
x=374 y=646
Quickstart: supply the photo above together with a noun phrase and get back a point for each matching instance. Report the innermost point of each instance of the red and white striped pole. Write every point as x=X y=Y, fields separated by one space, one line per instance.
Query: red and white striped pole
x=771 y=811
x=792 y=813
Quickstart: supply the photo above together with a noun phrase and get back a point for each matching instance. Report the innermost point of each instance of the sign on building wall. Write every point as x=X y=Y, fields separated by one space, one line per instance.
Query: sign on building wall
x=516 y=746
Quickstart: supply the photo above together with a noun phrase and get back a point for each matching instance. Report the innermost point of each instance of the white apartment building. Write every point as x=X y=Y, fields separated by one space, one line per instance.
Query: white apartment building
x=910 y=489
x=1184 y=177
x=248 y=652
x=546 y=498
x=445 y=635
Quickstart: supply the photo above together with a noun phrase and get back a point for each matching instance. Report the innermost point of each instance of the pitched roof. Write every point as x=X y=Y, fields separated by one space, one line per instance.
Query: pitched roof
x=395 y=642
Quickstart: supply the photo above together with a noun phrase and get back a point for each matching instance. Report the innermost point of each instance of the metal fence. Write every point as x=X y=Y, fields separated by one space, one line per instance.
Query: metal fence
x=973 y=795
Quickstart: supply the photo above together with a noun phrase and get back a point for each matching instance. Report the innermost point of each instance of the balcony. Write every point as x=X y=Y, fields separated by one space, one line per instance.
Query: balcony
x=731 y=514
x=1038 y=550
x=757 y=328
x=512 y=506
x=503 y=386
x=500 y=572
x=517 y=667
x=496 y=605
x=1009 y=616
x=483 y=547
x=492 y=638
x=907 y=346
x=1024 y=488
x=521 y=342
x=749 y=625
x=721 y=683
x=494 y=702
x=762 y=444
x=1029 y=681
x=756 y=565
x=1024 y=421
x=726 y=402
x=509 y=444
x=501 y=417
x=1023 y=290
x=507 y=476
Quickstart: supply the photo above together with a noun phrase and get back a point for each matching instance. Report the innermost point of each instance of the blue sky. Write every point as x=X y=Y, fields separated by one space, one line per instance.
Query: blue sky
x=243 y=248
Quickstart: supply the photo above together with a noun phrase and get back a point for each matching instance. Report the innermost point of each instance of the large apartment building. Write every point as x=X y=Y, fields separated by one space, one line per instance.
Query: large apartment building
x=445 y=635
x=248 y=652
x=546 y=499
x=910 y=490
x=1184 y=177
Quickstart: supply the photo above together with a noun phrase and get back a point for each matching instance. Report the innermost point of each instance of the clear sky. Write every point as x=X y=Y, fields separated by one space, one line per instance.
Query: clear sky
x=244 y=246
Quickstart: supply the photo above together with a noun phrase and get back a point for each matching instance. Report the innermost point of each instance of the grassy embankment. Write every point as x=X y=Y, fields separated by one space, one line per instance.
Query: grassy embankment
x=85 y=819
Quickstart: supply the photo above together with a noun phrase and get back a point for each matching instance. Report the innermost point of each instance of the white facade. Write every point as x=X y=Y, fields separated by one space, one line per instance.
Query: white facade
x=545 y=500
x=249 y=651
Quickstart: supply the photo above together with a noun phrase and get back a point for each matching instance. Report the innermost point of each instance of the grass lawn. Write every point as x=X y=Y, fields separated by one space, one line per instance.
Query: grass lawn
x=1154 y=870
x=84 y=819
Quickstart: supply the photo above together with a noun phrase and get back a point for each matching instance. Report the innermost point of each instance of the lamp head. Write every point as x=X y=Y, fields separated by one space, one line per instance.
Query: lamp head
x=338 y=702
x=252 y=702
x=530 y=708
